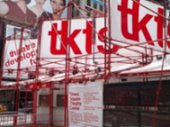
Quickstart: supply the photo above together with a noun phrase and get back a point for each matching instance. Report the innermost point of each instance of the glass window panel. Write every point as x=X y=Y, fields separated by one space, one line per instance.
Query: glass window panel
x=120 y=95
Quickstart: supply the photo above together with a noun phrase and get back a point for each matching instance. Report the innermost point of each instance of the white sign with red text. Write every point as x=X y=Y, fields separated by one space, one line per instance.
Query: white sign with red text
x=86 y=41
x=85 y=104
x=80 y=39
x=56 y=36
x=140 y=22
x=26 y=59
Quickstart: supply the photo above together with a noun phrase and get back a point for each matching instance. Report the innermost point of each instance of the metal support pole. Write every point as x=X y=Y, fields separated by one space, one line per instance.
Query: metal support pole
x=107 y=56
x=35 y=90
x=109 y=45
x=67 y=65
x=18 y=77
x=139 y=104
x=2 y=48
x=51 y=106
x=34 y=107
x=105 y=43
x=159 y=87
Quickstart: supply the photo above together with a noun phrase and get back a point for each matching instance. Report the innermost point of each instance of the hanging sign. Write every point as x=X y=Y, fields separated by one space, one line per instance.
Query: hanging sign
x=85 y=104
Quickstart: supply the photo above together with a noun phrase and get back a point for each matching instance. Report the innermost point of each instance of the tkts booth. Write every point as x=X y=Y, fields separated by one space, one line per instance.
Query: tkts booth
x=58 y=79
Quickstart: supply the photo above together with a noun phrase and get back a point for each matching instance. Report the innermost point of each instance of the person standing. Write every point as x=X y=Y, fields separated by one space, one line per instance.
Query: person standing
x=57 y=9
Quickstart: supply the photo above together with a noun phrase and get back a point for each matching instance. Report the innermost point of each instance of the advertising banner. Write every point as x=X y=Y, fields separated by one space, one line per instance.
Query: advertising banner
x=29 y=12
x=85 y=39
x=140 y=22
x=81 y=41
x=27 y=58
x=85 y=104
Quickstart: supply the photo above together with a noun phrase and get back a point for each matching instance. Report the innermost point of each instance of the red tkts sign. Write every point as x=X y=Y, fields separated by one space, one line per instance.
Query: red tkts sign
x=131 y=21
x=86 y=32
x=133 y=28
x=140 y=21
x=140 y=24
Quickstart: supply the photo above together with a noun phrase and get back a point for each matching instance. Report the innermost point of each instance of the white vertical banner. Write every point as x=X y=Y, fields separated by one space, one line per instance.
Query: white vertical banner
x=85 y=104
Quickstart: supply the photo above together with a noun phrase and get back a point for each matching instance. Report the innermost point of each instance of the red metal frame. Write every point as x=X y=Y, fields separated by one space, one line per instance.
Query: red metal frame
x=104 y=74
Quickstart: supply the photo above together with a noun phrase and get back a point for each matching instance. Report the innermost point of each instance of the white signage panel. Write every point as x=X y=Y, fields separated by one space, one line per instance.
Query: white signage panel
x=86 y=41
x=13 y=57
x=85 y=104
x=82 y=44
x=141 y=23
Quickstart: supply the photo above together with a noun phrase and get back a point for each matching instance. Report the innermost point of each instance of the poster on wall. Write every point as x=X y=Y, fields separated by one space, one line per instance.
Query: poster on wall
x=30 y=11
x=85 y=104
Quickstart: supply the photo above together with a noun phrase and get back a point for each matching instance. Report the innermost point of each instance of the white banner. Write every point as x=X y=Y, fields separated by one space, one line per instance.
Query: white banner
x=27 y=58
x=81 y=41
x=85 y=104
x=87 y=47
x=139 y=22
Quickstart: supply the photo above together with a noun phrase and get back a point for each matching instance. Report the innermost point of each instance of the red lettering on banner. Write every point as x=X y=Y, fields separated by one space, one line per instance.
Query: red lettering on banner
x=159 y=20
x=137 y=25
x=169 y=29
x=141 y=25
x=101 y=36
x=54 y=34
x=26 y=52
x=87 y=31
x=72 y=42
x=168 y=42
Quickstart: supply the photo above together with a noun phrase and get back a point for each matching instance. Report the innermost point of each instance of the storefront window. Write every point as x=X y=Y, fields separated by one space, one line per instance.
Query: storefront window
x=7 y=101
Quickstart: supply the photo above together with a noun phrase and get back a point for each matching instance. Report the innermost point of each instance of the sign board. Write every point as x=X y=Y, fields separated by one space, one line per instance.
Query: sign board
x=140 y=22
x=86 y=41
x=12 y=58
x=85 y=104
